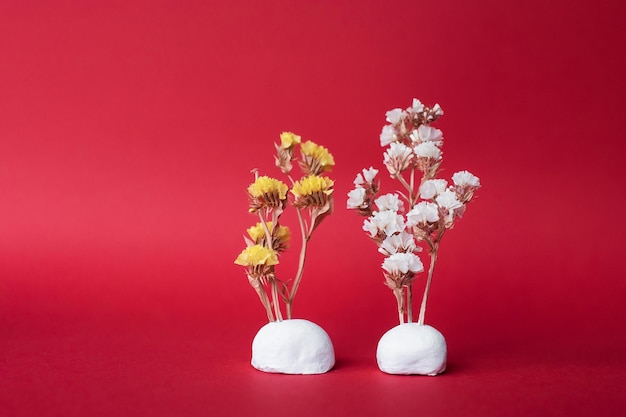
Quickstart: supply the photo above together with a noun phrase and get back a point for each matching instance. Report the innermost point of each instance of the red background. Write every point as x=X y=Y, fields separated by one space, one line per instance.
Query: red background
x=127 y=132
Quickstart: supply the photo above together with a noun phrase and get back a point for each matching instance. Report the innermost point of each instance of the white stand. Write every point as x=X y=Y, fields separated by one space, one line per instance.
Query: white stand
x=292 y=347
x=412 y=349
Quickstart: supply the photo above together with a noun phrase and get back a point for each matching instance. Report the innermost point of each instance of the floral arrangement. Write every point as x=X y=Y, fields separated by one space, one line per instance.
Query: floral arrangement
x=312 y=198
x=405 y=222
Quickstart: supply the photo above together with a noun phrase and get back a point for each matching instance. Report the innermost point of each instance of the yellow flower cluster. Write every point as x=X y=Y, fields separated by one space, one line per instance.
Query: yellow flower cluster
x=266 y=185
x=289 y=139
x=313 y=184
x=257 y=255
x=318 y=154
x=257 y=233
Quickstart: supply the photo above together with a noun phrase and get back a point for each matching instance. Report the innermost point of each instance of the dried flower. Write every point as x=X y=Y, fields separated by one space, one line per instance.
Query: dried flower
x=403 y=263
x=280 y=236
x=433 y=207
x=384 y=223
x=266 y=192
x=397 y=158
x=465 y=184
x=267 y=239
x=395 y=116
x=423 y=213
x=315 y=158
x=465 y=178
x=312 y=191
x=289 y=140
x=416 y=107
x=367 y=177
x=389 y=202
x=388 y=135
x=448 y=200
x=432 y=188
x=402 y=242
x=257 y=255
x=356 y=198
x=428 y=150
x=426 y=133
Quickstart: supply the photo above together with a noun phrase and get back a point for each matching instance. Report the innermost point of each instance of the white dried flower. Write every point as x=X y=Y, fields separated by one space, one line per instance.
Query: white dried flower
x=428 y=150
x=422 y=213
x=438 y=110
x=389 y=202
x=388 y=135
x=465 y=178
x=448 y=200
x=397 y=158
x=356 y=198
x=398 y=243
x=395 y=116
x=416 y=107
x=369 y=174
x=432 y=188
x=386 y=222
x=426 y=133
x=402 y=263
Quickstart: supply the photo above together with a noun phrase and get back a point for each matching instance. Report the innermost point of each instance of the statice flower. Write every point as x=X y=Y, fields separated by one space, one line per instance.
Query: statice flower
x=398 y=243
x=403 y=263
x=465 y=178
x=383 y=224
x=312 y=191
x=416 y=107
x=368 y=177
x=423 y=213
x=426 y=133
x=395 y=116
x=388 y=135
x=448 y=200
x=432 y=188
x=428 y=150
x=356 y=198
x=389 y=202
x=437 y=110
x=398 y=158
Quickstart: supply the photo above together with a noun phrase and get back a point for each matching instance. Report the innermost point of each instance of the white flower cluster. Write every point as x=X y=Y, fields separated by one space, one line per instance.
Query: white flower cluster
x=412 y=141
x=431 y=209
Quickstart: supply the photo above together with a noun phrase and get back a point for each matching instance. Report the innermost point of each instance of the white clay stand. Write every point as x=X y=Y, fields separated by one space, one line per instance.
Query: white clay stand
x=412 y=349
x=293 y=347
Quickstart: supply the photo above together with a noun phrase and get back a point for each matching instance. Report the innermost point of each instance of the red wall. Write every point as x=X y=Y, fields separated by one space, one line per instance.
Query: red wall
x=127 y=135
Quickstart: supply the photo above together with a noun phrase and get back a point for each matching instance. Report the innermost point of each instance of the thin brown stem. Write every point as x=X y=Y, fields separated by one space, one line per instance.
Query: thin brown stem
x=408 y=188
x=409 y=303
x=279 y=316
x=300 y=271
x=431 y=269
x=399 y=293
x=266 y=303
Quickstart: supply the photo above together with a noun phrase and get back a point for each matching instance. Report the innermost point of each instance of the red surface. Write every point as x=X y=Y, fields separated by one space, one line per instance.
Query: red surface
x=127 y=132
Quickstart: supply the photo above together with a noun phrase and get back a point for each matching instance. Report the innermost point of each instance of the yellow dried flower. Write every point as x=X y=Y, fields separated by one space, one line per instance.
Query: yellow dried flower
x=280 y=237
x=267 y=185
x=313 y=190
x=257 y=255
x=289 y=139
x=315 y=158
x=312 y=184
x=267 y=192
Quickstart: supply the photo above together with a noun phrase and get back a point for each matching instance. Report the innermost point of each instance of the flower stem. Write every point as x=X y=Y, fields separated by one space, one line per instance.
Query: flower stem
x=409 y=303
x=408 y=188
x=266 y=302
x=279 y=316
x=399 y=293
x=433 y=260
x=298 y=278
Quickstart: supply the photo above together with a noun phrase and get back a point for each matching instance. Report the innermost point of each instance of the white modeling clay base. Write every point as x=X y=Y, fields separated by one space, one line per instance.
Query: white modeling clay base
x=293 y=347
x=412 y=349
